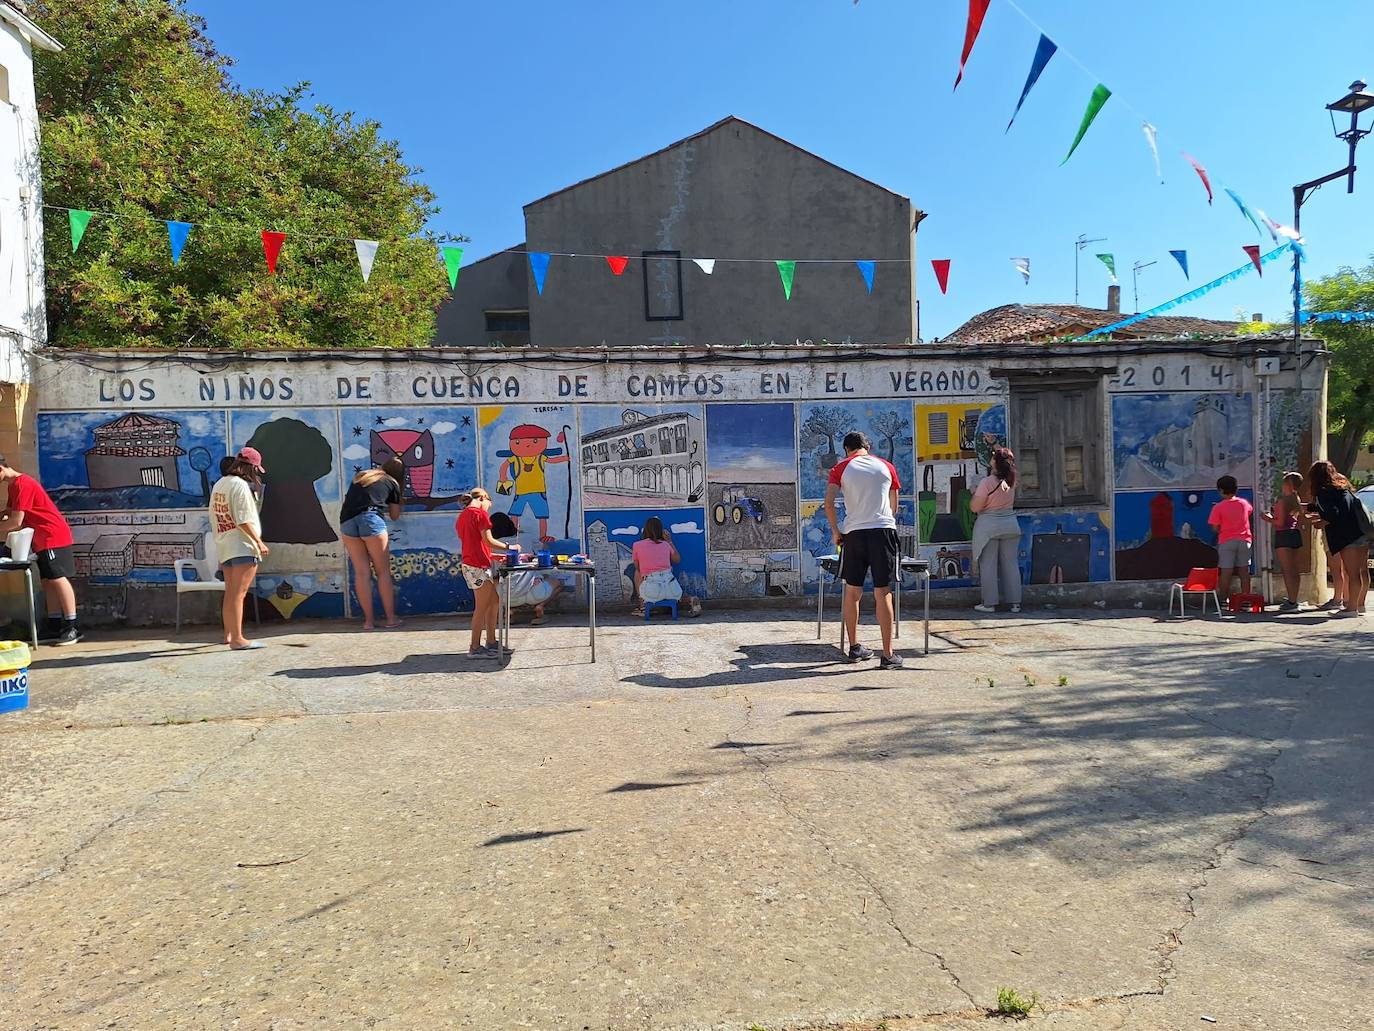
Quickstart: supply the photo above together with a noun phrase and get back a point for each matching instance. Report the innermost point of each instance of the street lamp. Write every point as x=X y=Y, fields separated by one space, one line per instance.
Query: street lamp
x=1354 y=103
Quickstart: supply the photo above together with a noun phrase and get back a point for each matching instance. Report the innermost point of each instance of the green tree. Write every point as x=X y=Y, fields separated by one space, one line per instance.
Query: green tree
x=1350 y=399
x=140 y=119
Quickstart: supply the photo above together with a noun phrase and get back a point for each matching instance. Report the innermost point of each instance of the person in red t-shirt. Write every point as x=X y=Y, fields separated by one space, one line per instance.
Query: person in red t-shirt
x=477 y=543
x=30 y=506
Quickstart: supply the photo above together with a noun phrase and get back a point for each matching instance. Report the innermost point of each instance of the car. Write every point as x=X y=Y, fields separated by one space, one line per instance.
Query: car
x=736 y=503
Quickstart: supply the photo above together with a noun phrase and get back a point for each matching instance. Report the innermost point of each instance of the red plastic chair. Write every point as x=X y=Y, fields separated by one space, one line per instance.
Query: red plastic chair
x=1199 y=581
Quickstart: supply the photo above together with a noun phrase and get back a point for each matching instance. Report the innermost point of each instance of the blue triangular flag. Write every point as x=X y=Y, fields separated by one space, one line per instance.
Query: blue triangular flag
x=866 y=270
x=539 y=265
x=1044 y=50
x=1244 y=208
x=177 y=232
x=1182 y=258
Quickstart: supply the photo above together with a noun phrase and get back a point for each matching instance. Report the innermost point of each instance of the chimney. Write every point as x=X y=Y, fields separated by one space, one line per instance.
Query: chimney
x=1256 y=317
x=1114 y=299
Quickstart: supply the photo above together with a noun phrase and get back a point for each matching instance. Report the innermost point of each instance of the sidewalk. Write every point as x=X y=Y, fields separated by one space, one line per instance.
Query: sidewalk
x=718 y=824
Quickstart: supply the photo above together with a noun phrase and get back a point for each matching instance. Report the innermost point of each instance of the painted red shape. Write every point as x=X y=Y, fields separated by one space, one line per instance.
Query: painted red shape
x=941 y=267
x=1252 y=249
x=617 y=262
x=271 y=248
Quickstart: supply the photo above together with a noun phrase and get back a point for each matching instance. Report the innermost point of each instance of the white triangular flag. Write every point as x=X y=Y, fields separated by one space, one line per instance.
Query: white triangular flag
x=1152 y=138
x=367 y=254
x=1023 y=267
x=706 y=265
x=1269 y=224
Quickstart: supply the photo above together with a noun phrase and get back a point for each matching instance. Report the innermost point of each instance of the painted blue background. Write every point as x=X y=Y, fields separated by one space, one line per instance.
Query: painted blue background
x=243 y=423
x=455 y=444
x=757 y=441
x=691 y=571
x=860 y=415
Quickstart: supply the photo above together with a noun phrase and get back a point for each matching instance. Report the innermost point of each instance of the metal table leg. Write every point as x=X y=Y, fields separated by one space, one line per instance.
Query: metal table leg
x=820 y=602
x=33 y=615
x=504 y=622
x=591 y=611
x=927 y=613
x=897 y=605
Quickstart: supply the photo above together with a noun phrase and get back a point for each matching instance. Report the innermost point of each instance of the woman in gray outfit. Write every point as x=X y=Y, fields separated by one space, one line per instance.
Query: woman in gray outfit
x=997 y=534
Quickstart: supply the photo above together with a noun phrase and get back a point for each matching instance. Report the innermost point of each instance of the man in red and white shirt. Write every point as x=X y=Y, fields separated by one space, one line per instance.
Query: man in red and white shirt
x=868 y=539
x=30 y=506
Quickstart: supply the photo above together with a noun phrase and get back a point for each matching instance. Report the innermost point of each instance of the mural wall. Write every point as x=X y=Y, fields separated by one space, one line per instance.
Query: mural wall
x=733 y=458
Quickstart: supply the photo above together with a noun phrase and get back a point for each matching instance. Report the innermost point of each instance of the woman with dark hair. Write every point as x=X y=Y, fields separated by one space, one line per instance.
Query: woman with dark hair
x=372 y=494
x=238 y=539
x=997 y=534
x=654 y=557
x=1337 y=511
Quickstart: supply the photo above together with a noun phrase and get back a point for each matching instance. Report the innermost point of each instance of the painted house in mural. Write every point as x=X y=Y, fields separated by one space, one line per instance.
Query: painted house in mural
x=135 y=450
x=652 y=457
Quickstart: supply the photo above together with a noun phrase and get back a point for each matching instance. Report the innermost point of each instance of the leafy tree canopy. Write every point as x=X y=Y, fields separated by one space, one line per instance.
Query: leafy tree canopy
x=140 y=119
x=1350 y=398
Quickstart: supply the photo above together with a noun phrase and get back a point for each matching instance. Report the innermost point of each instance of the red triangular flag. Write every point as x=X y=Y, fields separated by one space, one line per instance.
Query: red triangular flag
x=977 y=10
x=1252 y=249
x=1201 y=174
x=271 y=248
x=941 y=267
x=617 y=262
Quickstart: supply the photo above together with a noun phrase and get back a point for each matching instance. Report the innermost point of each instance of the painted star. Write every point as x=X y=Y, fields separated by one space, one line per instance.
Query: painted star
x=467 y=420
x=448 y=463
x=420 y=421
x=357 y=431
x=357 y=469
x=379 y=420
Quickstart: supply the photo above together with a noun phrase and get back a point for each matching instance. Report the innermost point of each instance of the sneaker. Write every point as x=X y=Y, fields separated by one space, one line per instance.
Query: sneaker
x=858 y=653
x=71 y=635
x=1330 y=606
x=495 y=651
x=985 y=608
x=1288 y=606
x=1349 y=612
x=1016 y=608
x=893 y=661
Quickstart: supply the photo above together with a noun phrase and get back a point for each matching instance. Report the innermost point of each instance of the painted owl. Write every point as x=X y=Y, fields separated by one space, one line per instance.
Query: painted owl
x=415 y=449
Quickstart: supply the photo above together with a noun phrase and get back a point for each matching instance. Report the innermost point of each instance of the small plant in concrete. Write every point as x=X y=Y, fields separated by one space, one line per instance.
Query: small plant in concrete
x=1011 y=1003
x=991 y=682
x=1030 y=680
x=1063 y=681
x=756 y=1027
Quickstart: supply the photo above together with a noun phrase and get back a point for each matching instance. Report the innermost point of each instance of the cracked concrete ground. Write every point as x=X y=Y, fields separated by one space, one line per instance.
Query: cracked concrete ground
x=716 y=825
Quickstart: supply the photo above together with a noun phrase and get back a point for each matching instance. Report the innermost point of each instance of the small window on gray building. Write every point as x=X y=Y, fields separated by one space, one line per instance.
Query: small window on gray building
x=662 y=286
x=507 y=321
x=1056 y=433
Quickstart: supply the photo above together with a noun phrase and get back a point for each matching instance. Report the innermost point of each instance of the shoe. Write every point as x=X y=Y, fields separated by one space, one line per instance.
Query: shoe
x=495 y=651
x=1342 y=612
x=985 y=608
x=858 y=653
x=251 y=646
x=71 y=635
x=1016 y=608
x=1330 y=606
x=1288 y=606
x=893 y=661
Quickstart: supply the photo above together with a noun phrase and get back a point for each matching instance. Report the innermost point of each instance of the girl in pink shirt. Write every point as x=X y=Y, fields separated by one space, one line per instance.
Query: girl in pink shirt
x=654 y=557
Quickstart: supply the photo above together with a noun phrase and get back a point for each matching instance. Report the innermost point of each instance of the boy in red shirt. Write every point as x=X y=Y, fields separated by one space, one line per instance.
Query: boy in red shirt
x=1231 y=518
x=30 y=506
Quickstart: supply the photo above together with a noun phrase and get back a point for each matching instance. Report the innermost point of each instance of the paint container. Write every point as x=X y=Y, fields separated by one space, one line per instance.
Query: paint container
x=545 y=559
x=513 y=556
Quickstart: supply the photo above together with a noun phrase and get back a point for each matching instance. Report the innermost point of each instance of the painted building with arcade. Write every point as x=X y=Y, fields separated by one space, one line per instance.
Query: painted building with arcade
x=1120 y=446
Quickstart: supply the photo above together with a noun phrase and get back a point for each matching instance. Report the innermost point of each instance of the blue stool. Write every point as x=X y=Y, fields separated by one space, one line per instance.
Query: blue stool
x=649 y=606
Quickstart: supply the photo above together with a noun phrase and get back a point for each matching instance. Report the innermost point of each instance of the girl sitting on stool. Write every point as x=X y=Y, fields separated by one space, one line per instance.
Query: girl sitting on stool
x=654 y=557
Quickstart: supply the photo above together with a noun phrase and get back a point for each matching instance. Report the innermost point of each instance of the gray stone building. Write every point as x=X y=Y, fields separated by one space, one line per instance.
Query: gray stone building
x=732 y=190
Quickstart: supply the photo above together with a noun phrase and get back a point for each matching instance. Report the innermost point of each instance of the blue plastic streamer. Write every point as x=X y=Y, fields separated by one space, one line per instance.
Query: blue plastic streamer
x=1044 y=50
x=1191 y=295
x=1338 y=316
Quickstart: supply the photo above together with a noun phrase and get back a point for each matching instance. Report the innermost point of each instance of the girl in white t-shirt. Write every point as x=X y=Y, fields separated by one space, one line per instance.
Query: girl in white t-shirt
x=238 y=539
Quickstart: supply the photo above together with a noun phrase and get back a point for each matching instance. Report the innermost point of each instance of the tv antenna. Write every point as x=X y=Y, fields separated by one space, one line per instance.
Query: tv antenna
x=1078 y=246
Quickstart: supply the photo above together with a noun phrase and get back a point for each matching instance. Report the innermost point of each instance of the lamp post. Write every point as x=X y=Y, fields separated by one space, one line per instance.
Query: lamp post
x=1354 y=103
x=1078 y=246
x=1135 y=280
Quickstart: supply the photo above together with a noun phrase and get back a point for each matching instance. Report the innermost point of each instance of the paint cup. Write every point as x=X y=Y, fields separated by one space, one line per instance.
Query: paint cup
x=513 y=556
x=545 y=559
x=562 y=559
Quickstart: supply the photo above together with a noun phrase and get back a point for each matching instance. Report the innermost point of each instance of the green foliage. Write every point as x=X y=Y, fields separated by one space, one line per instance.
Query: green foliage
x=140 y=119
x=1011 y=1003
x=1350 y=401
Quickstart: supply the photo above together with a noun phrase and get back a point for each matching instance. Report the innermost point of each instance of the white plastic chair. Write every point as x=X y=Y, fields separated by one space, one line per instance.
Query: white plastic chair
x=205 y=579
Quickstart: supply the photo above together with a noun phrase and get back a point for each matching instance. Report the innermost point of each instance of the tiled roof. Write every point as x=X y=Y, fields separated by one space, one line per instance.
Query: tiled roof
x=1012 y=323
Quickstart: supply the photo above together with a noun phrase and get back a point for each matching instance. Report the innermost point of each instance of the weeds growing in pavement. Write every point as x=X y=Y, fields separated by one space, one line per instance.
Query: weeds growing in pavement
x=1011 y=1003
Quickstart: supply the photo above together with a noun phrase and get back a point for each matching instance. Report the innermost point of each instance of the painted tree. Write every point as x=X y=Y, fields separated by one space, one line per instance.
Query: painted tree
x=295 y=455
x=139 y=118
x=891 y=428
x=1350 y=404
x=825 y=425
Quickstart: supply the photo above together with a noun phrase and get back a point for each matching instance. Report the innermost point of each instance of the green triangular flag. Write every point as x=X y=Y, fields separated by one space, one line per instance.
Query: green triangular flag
x=787 y=270
x=1095 y=102
x=453 y=260
x=79 y=220
x=1110 y=261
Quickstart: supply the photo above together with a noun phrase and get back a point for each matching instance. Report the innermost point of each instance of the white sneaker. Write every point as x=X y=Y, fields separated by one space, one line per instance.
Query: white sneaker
x=985 y=608
x=1016 y=608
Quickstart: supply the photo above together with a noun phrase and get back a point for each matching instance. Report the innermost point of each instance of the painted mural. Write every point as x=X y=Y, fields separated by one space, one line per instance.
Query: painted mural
x=943 y=501
x=643 y=455
x=130 y=461
x=303 y=475
x=752 y=477
x=287 y=596
x=817 y=541
x=611 y=534
x=137 y=548
x=1163 y=534
x=824 y=425
x=1181 y=440
x=527 y=454
x=1065 y=548
x=437 y=446
x=954 y=444
x=744 y=574
x=951 y=565
x=426 y=567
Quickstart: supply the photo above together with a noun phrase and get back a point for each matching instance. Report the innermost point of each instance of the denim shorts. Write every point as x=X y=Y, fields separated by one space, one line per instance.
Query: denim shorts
x=364 y=524
x=1233 y=554
x=240 y=560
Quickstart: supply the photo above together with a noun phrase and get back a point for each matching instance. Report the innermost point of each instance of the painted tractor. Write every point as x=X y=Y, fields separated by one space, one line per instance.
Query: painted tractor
x=736 y=503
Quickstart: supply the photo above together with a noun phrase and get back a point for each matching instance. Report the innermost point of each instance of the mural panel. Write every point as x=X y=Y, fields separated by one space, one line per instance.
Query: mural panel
x=425 y=564
x=1065 y=548
x=752 y=474
x=1181 y=440
x=1163 y=534
x=946 y=490
x=437 y=446
x=611 y=533
x=824 y=424
x=774 y=574
x=528 y=466
x=137 y=547
x=298 y=448
x=110 y=461
x=817 y=542
x=961 y=431
x=951 y=565
x=639 y=456
x=288 y=596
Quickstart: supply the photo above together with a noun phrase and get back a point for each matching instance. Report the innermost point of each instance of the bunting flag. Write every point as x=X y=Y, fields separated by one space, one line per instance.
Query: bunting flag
x=1044 y=50
x=1253 y=250
x=539 y=265
x=78 y=220
x=1100 y=96
x=1338 y=316
x=1182 y=258
x=271 y=248
x=1201 y=174
x=786 y=271
x=1191 y=295
x=977 y=11
x=1152 y=138
x=367 y=254
x=941 y=267
x=1244 y=208
x=866 y=270
x=453 y=262
x=706 y=265
x=1023 y=267
x=617 y=263
x=1269 y=224
x=1110 y=261
x=177 y=232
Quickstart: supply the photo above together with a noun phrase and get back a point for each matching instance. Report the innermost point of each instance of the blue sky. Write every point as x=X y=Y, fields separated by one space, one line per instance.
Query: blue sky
x=503 y=103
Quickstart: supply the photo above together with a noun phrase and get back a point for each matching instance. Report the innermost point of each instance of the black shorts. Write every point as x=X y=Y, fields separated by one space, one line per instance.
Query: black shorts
x=1287 y=539
x=55 y=563
x=866 y=550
